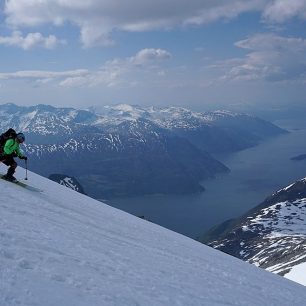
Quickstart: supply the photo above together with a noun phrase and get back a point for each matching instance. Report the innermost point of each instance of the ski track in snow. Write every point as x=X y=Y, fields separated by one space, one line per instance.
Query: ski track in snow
x=60 y=247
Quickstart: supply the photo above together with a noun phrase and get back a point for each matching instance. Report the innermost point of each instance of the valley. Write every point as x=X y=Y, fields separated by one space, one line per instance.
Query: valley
x=255 y=174
x=152 y=162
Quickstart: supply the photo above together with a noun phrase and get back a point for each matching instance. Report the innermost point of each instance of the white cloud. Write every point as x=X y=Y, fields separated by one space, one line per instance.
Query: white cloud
x=38 y=74
x=271 y=57
x=146 y=56
x=125 y=71
x=30 y=41
x=279 y=11
x=97 y=19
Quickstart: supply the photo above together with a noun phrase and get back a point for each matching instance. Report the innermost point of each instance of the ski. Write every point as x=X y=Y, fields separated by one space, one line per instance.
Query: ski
x=22 y=184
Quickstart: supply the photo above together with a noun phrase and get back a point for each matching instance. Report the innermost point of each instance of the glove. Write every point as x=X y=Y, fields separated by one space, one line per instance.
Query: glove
x=23 y=157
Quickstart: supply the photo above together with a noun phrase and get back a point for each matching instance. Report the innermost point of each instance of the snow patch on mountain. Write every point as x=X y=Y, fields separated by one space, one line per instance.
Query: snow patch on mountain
x=282 y=218
x=167 y=117
x=298 y=273
x=273 y=236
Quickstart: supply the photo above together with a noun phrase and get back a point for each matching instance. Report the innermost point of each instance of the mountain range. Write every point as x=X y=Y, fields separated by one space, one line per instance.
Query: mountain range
x=129 y=150
x=271 y=235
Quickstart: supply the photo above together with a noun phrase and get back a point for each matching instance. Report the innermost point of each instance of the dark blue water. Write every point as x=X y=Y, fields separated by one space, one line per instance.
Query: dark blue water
x=255 y=174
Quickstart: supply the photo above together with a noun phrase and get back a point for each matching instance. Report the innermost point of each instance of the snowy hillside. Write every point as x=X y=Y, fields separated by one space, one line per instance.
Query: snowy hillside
x=59 y=247
x=272 y=235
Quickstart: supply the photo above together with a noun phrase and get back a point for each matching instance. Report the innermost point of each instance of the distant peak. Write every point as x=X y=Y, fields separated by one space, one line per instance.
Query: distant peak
x=9 y=104
x=124 y=107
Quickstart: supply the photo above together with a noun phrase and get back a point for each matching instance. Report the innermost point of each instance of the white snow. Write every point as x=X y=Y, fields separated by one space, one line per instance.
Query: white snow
x=169 y=117
x=67 y=181
x=283 y=213
x=26 y=119
x=280 y=267
x=298 y=273
x=60 y=247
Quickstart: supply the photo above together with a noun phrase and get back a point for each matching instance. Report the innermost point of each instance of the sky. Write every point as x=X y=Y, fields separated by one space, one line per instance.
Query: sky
x=201 y=54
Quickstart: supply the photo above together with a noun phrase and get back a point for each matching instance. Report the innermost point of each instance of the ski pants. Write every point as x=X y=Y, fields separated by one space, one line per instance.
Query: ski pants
x=9 y=161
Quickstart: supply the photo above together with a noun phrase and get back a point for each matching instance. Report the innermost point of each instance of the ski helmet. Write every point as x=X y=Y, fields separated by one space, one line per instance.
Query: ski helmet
x=20 y=137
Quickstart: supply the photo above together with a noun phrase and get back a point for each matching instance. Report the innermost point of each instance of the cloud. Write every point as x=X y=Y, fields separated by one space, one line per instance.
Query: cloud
x=30 y=41
x=108 y=76
x=43 y=75
x=271 y=57
x=127 y=71
x=97 y=19
x=146 y=56
x=279 y=11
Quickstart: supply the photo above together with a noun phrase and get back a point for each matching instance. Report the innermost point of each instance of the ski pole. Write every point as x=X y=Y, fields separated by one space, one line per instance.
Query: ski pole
x=26 y=164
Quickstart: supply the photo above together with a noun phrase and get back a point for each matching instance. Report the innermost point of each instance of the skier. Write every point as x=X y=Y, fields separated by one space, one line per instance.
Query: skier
x=10 y=150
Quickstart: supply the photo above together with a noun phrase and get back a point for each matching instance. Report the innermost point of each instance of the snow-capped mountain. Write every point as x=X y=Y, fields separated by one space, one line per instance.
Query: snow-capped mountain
x=218 y=131
x=59 y=247
x=128 y=150
x=272 y=235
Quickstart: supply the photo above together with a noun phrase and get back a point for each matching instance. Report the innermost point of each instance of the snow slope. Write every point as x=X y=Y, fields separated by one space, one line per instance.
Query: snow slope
x=59 y=247
x=298 y=273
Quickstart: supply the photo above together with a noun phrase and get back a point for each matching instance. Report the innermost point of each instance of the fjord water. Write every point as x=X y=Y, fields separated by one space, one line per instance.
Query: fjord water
x=255 y=174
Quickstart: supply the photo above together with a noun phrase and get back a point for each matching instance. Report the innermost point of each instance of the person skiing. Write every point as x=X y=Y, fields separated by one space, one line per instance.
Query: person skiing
x=11 y=149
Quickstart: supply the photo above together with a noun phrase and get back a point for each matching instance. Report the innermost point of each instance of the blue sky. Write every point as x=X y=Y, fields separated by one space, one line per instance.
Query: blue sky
x=197 y=53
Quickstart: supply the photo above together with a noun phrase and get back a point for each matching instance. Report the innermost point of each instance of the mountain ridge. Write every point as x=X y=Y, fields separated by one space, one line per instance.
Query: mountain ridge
x=272 y=235
x=133 y=150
